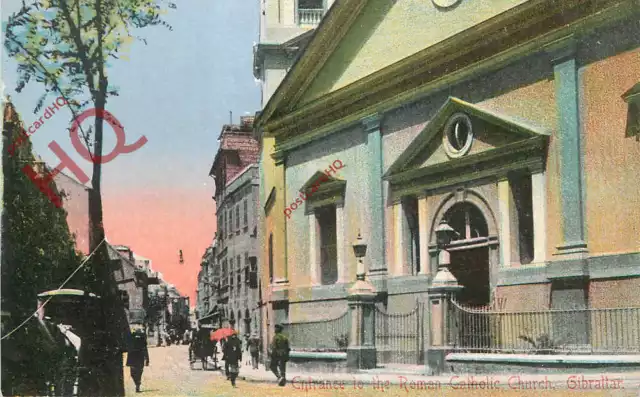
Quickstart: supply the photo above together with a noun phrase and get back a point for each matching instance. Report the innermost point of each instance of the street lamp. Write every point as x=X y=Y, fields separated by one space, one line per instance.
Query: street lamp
x=444 y=235
x=360 y=250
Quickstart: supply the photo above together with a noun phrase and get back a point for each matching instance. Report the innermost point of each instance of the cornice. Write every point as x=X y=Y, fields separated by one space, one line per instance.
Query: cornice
x=562 y=49
x=372 y=122
x=392 y=87
x=531 y=148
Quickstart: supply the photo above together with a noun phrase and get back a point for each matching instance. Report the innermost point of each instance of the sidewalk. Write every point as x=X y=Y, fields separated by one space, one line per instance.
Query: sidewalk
x=412 y=377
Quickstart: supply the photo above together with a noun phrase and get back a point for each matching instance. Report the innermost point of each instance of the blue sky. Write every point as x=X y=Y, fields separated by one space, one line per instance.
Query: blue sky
x=177 y=91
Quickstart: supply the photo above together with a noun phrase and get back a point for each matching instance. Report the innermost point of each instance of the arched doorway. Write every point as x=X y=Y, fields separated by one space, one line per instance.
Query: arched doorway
x=469 y=253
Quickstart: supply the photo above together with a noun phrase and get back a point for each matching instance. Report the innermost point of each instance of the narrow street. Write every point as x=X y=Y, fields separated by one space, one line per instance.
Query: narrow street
x=169 y=374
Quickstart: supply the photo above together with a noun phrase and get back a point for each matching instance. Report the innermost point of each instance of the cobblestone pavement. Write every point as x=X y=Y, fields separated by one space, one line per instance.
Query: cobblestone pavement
x=170 y=375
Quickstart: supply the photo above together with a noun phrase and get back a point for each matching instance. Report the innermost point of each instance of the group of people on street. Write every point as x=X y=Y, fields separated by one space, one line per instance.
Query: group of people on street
x=138 y=355
x=278 y=352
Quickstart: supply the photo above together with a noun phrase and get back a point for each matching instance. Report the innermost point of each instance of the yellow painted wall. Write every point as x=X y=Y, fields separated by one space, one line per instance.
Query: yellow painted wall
x=612 y=162
x=389 y=30
x=536 y=103
x=273 y=221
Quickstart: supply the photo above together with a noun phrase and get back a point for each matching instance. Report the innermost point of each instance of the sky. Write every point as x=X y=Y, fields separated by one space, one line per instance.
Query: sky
x=176 y=91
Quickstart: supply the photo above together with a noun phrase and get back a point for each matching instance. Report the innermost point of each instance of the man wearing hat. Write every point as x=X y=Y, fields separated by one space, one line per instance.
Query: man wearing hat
x=280 y=355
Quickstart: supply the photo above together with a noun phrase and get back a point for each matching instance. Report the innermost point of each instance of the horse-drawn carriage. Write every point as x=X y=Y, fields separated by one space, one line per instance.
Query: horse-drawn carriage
x=202 y=348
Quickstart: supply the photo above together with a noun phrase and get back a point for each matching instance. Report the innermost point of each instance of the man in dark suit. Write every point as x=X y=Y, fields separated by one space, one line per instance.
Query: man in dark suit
x=138 y=357
x=233 y=356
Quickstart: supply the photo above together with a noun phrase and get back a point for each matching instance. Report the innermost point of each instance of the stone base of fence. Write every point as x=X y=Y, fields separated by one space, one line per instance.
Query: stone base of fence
x=436 y=361
x=487 y=363
x=318 y=361
x=361 y=357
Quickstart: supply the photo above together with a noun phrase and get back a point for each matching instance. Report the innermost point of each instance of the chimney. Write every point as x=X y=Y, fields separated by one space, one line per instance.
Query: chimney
x=247 y=122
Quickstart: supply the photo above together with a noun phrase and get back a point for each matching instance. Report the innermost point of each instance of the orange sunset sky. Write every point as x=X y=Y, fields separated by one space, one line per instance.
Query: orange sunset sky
x=152 y=219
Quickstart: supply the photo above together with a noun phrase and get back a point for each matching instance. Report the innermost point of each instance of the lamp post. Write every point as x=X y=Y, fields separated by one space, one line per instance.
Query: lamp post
x=444 y=235
x=361 y=351
x=443 y=288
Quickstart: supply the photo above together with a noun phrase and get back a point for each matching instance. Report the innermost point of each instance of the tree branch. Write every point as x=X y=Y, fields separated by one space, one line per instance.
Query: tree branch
x=54 y=81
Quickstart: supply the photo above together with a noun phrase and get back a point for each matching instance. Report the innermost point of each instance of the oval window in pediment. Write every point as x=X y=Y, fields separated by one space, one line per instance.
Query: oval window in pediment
x=458 y=135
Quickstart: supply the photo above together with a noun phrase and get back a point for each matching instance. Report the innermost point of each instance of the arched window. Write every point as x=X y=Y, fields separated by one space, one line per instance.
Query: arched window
x=467 y=220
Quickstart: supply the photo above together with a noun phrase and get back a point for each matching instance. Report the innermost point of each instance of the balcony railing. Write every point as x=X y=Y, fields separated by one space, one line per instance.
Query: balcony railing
x=310 y=16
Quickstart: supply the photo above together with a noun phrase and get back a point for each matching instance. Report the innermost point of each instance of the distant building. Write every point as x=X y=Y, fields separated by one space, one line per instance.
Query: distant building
x=232 y=265
x=207 y=293
x=133 y=283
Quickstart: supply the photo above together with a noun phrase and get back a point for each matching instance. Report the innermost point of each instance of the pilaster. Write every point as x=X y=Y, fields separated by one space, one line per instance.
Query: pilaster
x=565 y=67
x=378 y=267
x=280 y=235
x=539 y=200
x=343 y=268
x=313 y=251
x=400 y=244
x=423 y=216
x=505 y=205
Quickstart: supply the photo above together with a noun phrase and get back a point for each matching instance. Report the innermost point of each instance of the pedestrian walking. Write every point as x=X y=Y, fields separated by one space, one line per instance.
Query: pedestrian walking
x=233 y=357
x=279 y=355
x=138 y=357
x=254 y=350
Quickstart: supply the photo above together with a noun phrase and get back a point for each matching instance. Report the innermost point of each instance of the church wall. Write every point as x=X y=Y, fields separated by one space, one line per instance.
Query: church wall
x=611 y=161
x=348 y=146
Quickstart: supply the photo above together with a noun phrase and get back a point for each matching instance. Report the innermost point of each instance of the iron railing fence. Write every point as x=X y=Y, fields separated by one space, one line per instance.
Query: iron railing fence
x=310 y=16
x=577 y=331
x=332 y=334
x=400 y=337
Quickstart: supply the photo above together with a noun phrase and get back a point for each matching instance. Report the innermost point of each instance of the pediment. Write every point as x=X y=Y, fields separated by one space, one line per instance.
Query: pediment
x=323 y=181
x=462 y=135
x=359 y=38
x=389 y=31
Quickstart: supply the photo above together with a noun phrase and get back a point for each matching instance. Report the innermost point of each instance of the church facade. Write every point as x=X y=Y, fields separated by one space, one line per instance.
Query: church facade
x=515 y=121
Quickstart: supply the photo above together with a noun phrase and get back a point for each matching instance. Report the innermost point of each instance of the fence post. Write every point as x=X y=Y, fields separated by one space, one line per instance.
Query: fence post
x=361 y=353
x=442 y=290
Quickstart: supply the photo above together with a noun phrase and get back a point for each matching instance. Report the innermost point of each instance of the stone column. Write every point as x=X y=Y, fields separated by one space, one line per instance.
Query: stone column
x=343 y=269
x=539 y=199
x=361 y=352
x=443 y=288
x=280 y=230
x=565 y=67
x=313 y=250
x=378 y=267
x=423 y=216
x=505 y=204
x=400 y=243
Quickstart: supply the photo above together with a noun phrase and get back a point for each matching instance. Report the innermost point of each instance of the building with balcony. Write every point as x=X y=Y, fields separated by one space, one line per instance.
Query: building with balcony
x=235 y=266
